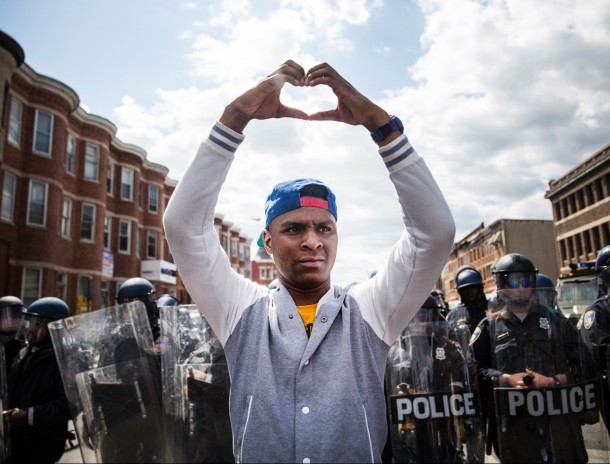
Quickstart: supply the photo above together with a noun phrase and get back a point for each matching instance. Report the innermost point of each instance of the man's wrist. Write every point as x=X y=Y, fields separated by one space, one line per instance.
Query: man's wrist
x=234 y=119
x=394 y=125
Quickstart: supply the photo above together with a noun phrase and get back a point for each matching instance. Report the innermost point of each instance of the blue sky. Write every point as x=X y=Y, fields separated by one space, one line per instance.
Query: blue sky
x=498 y=96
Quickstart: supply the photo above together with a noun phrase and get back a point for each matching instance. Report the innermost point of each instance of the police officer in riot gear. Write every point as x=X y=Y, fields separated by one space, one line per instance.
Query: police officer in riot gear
x=472 y=310
x=595 y=325
x=11 y=313
x=429 y=364
x=546 y=292
x=38 y=414
x=138 y=288
x=525 y=345
x=167 y=300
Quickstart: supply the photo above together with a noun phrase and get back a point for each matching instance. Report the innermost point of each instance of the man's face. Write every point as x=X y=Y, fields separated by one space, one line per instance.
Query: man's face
x=471 y=293
x=518 y=288
x=303 y=243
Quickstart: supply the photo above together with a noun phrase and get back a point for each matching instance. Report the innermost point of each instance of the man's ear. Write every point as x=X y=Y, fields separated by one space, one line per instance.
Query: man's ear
x=267 y=241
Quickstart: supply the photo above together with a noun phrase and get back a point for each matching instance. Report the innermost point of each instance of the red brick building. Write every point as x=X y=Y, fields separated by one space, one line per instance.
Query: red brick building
x=81 y=211
x=581 y=211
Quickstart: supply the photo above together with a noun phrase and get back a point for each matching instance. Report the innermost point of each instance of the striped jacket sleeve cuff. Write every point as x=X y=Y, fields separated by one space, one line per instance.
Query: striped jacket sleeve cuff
x=224 y=139
x=398 y=154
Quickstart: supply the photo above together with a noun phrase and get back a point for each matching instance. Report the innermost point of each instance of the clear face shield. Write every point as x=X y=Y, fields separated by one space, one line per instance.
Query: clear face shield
x=516 y=289
x=33 y=329
x=10 y=320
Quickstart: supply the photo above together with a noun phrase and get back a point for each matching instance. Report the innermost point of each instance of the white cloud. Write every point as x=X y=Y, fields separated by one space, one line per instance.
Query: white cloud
x=508 y=95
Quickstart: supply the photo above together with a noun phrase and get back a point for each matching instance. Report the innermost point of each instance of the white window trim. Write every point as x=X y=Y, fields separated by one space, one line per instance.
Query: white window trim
x=129 y=227
x=150 y=188
x=46 y=204
x=133 y=177
x=10 y=220
x=12 y=120
x=34 y=150
x=110 y=178
x=39 y=285
x=109 y=231
x=96 y=164
x=61 y=285
x=73 y=154
x=149 y=234
x=82 y=214
x=69 y=218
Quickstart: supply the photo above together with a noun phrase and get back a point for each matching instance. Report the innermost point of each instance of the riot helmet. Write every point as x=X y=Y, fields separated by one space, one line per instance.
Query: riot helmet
x=544 y=281
x=167 y=300
x=515 y=276
x=602 y=265
x=430 y=311
x=140 y=289
x=11 y=313
x=545 y=290
x=515 y=269
x=467 y=277
x=469 y=284
x=36 y=317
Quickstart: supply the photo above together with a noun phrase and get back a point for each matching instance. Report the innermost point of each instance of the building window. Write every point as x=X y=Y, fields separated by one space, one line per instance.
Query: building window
x=225 y=243
x=71 y=154
x=153 y=198
x=596 y=242
x=234 y=247
x=92 y=161
x=32 y=280
x=151 y=246
x=124 y=236
x=606 y=232
x=83 y=294
x=8 y=196
x=105 y=294
x=241 y=252
x=557 y=211
x=66 y=217
x=62 y=286
x=14 y=124
x=110 y=180
x=589 y=194
x=138 y=242
x=107 y=232
x=87 y=224
x=43 y=133
x=263 y=273
x=140 y=194
x=127 y=184
x=37 y=203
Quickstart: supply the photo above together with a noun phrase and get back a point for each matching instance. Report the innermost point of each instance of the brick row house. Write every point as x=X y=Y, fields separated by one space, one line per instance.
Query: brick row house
x=81 y=210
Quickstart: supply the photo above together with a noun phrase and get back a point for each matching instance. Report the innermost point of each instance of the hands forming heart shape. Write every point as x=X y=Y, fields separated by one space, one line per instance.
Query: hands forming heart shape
x=263 y=100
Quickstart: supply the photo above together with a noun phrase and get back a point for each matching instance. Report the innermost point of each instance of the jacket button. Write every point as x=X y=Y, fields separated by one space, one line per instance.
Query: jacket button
x=324 y=319
x=306 y=461
x=290 y=316
x=305 y=410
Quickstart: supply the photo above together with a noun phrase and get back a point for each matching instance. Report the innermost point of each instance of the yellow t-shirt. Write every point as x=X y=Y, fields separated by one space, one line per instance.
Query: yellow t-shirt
x=308 y=314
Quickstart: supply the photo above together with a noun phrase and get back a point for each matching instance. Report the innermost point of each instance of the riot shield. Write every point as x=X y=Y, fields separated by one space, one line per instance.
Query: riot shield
x=195 y=388
x=112 y=380
x=546 y=388
x=433 y=402
x=5 y=441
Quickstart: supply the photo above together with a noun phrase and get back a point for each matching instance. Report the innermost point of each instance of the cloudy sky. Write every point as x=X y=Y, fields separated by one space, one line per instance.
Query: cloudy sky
x=499 y=96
